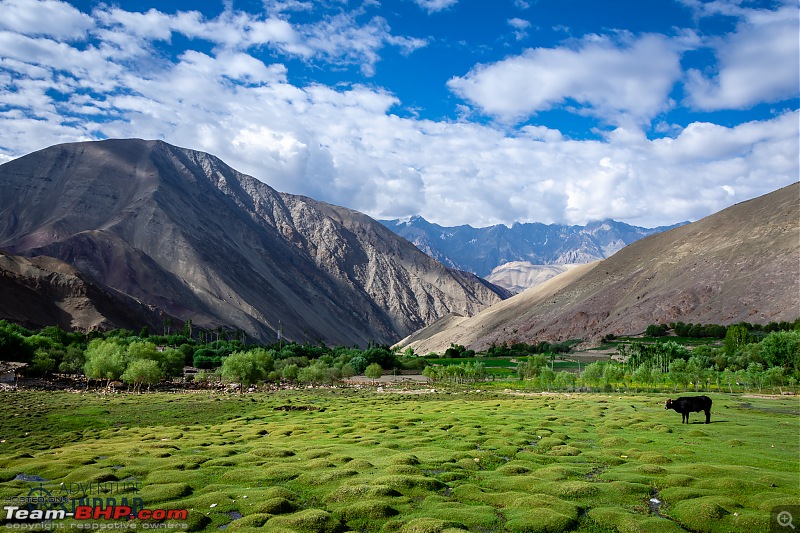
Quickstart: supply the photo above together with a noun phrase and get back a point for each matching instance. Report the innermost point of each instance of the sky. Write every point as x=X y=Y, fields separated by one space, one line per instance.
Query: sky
x=461 y=111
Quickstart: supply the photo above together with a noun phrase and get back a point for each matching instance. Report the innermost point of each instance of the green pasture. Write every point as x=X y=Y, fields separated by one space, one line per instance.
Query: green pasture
x=342 y=460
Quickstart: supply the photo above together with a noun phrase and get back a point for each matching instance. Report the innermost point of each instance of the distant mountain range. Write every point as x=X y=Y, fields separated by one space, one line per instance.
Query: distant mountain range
x=739 y=265
x=482 y=250
x=182 y=233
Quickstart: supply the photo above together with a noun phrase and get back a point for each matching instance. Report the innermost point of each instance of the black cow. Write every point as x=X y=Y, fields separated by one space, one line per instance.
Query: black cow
x=690 y=404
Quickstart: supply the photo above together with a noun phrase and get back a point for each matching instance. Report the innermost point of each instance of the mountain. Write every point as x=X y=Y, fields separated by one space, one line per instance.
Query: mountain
x=182 y=231
x=739 y=265
x=481 y=250
x=518 y=276
x=43 y=291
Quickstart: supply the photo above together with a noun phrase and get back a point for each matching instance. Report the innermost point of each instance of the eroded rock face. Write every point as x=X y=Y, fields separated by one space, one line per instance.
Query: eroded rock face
x=181 y=230
x=43 y=291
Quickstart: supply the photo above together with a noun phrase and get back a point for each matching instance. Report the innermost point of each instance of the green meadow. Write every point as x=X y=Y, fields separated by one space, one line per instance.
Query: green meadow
x=337 y=460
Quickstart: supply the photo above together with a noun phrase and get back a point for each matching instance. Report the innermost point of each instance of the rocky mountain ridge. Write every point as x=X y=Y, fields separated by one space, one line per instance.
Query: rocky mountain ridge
x=481 y=250
x=182 y=231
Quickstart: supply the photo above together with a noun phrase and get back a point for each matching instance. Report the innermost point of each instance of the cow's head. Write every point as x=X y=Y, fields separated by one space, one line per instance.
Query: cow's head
x=668 y=404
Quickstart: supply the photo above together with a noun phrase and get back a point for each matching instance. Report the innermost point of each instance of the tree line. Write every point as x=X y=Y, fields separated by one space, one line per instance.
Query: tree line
x=747 y=357
x=143 y=359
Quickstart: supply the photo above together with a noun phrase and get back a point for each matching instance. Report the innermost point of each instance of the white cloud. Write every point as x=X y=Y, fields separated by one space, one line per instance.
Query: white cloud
x=343 y=145
x=520 y=26
x=615 y=82
x=432 y=6
x=519 y=23
x=759 y=62
x=44 y=17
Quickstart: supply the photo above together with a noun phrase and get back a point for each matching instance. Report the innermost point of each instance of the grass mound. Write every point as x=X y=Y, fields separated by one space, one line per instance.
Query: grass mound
x=308 y=521
x=165 y=492
x=431 y=525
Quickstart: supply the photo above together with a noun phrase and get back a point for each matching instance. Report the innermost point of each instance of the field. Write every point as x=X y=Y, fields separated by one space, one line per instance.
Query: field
x=334 y=460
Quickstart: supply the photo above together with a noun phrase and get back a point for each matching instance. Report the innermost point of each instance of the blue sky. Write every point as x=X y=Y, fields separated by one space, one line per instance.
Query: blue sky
x=462 y=111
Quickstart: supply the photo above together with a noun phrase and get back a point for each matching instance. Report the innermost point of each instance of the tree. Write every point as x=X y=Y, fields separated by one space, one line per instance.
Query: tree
x=547 y=377
x=565 y=380
x=242 y=368
x=373 y=371
x=755 y=374
x=73 y=361
x=774 y=377
x=142 y=371
x=290 y=372
x=613 y=374
x=678 y=374
x=105 y=359
x=696 y=371
x=319 y=372
x=43 y=363
x=656 y=330
x=348 y=371
x=142 y=350
x=592 y=374
x=642 y=375
x=729 y=378
x=737 y=336
x=782 y=348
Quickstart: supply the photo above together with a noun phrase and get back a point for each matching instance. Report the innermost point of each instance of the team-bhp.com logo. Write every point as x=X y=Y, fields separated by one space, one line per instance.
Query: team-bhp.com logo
x=88 y=505
x=86 y=512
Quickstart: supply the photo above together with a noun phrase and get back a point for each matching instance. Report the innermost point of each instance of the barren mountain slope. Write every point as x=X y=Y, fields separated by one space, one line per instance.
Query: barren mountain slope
x=181 y=230
x=43 y=291
x=741 y=264
x=518 y=276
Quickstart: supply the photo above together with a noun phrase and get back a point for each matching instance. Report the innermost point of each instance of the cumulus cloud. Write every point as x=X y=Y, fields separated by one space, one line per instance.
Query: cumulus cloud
x=432 y=6
x=44 y=17
x=345 y=145
x=600 y=77
x=519 y=26
x=759 y=62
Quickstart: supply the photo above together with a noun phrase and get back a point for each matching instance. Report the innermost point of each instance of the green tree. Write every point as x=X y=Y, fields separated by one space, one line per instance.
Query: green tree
x=242 y=368
x=43 y=363
x=782 y=348
x=737 y=336
x=290 y=372
x=643 y=375
x=141 y=372
x=592 y=374
x=565 y=380
x=774 y=377
x=319 y=372
x=678 y=374
x=373 y=372
x=142 y=350
x=613 y=374
x=171 y=362
x=697 y=372
x=546 y=378
x=73 y=360
x=348 y=371
x=105 y=359
x=359 y=364
x=729 y=378
x=755 y=374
